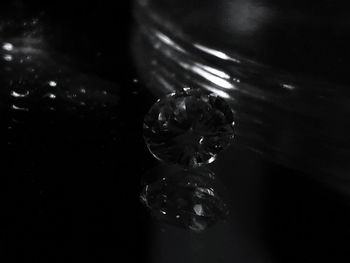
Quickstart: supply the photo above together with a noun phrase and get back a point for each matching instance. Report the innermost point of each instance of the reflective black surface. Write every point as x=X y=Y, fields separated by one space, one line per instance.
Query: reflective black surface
x=73 y=158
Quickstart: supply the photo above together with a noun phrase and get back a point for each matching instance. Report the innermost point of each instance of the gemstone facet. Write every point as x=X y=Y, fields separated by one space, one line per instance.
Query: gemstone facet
x=188 y=128
x=187 y=198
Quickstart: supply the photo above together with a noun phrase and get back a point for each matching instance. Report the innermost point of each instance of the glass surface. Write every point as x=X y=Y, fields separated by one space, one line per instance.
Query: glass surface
x=282 y=66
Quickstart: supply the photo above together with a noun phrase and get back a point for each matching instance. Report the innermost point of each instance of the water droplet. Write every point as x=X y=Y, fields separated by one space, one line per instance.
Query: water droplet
x=50 y=95
x=14 y=107
x=8 y=57
x=288 y=86
x=52 y=83
x=7 y=46
x=35 y=21
x=19 y=95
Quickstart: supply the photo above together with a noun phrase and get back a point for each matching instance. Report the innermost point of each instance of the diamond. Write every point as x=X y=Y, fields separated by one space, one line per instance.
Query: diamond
x=188 y=128
x=191 y=199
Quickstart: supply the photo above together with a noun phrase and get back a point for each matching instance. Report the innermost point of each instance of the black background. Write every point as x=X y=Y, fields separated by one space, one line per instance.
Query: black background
x=70 y=192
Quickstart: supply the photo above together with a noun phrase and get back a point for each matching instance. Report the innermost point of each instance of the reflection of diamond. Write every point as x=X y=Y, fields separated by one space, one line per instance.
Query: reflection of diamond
x=185 y=198
x=188 y=128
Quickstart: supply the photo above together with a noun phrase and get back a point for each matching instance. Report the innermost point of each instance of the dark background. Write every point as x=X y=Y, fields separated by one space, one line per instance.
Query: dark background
x=70 y=182
x=82 y=29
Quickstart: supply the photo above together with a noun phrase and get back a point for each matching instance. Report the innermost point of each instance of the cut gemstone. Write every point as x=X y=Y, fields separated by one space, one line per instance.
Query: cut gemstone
x=188 y=128
x=185 y=198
